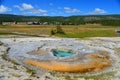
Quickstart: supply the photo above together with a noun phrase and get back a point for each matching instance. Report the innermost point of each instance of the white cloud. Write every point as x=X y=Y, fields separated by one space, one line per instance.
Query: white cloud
x=39 y=11
x=98 y=11
x=4 y=9
x=24 y=6
x=27 y=6
x=69 y=10
x=29 y=9
x=17 y=6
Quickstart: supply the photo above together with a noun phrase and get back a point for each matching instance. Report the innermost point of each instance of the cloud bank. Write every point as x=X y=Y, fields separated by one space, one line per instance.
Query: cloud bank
x=4 y=9
x=98 y=11
x=24 y=6
x=69 y=10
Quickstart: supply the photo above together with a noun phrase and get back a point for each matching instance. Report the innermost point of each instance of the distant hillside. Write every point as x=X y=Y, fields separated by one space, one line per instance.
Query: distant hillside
x=113 y=20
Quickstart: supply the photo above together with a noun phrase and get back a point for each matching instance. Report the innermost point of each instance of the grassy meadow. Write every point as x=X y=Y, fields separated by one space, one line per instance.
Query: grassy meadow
x=71 y=31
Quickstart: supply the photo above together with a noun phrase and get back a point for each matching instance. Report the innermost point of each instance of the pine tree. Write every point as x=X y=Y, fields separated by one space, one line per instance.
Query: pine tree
x=59 y=29
x=0 y=23
x=52 y=32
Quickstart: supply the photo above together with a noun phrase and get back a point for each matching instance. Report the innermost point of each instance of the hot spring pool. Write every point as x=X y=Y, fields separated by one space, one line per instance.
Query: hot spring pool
x=60 y=53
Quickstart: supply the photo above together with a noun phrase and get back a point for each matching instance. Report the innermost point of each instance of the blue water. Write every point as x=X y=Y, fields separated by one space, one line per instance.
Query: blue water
x=60 y=53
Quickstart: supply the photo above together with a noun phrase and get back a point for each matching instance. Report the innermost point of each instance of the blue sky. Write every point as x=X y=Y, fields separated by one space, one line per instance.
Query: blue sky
x=59 y=7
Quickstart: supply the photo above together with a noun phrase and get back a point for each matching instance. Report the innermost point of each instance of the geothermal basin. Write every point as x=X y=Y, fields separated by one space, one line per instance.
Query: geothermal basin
x=61 y=55
x=88 y=62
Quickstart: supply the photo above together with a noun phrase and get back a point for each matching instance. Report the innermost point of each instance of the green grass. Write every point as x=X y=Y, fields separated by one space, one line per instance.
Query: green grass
x=92 y=33
x=5 y=33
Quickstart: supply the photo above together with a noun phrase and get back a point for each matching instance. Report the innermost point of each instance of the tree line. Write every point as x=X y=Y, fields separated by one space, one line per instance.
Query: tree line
x=112 y=20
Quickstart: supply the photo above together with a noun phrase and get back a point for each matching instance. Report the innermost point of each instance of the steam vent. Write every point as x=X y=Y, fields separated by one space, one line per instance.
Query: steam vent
x=69 y=56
